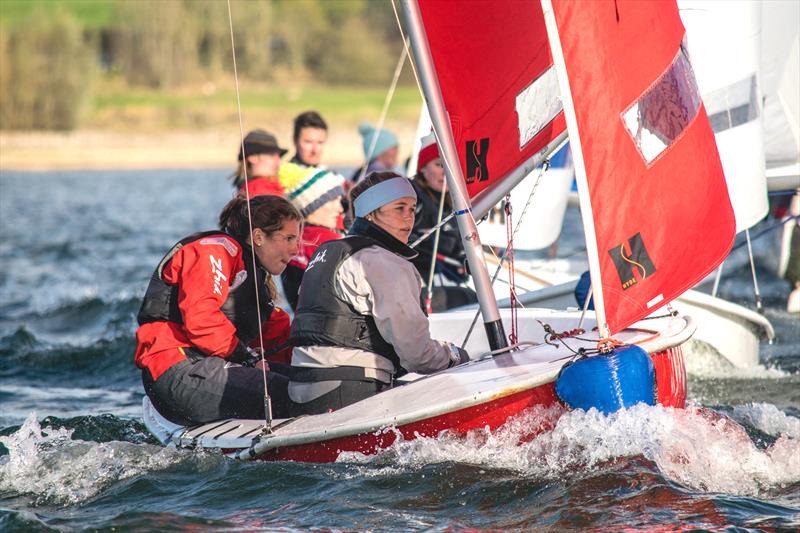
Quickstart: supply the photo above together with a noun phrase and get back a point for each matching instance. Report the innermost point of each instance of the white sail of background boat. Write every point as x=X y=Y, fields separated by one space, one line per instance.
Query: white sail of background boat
x=724 y=44
x=478 y=68
x=780 y=78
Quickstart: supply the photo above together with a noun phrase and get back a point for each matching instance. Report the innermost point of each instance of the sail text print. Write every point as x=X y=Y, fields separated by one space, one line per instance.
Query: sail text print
x=637 y=261
x=216 y=269
x=319 y=258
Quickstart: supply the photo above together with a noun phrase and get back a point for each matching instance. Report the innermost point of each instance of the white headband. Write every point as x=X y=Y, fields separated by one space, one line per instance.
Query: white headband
x=381 y=194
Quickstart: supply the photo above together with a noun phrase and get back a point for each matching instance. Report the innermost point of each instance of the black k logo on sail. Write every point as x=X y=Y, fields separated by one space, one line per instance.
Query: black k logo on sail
x=629 y=264
x=476 y=160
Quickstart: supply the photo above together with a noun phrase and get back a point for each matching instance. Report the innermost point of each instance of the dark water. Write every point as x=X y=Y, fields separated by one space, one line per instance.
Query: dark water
x=75 y=254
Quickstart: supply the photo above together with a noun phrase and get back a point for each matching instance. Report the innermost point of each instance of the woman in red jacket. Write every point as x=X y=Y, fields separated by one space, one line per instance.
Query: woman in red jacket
x=203 y=307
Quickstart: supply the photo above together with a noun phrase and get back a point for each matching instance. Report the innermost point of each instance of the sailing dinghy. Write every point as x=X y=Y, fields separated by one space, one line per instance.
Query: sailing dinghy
x=648 y=170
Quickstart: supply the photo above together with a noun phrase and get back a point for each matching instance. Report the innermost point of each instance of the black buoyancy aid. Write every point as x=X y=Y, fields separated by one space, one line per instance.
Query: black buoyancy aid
x=322 y=318
x=161 y=299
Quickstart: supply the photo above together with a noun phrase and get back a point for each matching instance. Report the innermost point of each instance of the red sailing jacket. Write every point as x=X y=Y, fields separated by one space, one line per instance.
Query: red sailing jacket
x=262 y=186
x=203 y=270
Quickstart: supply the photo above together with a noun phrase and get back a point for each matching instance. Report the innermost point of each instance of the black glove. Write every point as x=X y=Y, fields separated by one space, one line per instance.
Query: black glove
x=457 y=356
x=244 y=355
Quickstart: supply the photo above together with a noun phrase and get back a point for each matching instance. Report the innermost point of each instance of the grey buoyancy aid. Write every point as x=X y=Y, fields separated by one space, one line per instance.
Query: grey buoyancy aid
x=161 y=299
x=324 y=319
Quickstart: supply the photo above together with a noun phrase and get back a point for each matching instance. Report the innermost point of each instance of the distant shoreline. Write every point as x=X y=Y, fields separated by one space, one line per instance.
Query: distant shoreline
x=105 y=150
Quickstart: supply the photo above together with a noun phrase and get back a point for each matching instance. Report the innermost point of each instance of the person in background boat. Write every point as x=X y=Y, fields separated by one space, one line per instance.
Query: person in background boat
x=201 y=313
x=358 y=321
x=310 y=136
x=381 y=150
x=428 y=183
x=581 y=292
x=259 y=165
x=317 y=194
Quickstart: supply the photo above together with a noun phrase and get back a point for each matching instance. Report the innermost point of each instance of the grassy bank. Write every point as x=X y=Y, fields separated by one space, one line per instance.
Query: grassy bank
x=198 y=125
x=116 y=106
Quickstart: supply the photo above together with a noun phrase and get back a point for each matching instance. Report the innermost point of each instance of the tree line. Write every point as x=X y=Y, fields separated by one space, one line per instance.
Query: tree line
x=51 y=60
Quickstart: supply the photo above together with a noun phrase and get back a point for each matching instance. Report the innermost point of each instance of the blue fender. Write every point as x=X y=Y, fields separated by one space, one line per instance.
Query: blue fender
x=608 y=382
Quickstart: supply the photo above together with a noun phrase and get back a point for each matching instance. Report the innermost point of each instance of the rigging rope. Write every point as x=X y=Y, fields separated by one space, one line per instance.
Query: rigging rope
x=511 y=282
x=267 y=399
x=434 y=229
x=434 y=252
x=379 y=126
x=545 y=167
x=753 y=271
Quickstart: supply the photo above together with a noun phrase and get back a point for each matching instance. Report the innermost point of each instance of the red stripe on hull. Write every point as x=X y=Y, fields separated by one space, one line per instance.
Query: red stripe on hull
x=670 y=377
x=491 y=414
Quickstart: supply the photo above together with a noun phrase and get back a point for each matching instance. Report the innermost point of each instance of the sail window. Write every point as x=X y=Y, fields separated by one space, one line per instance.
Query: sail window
x=664 y=111
x=733 y=105
x=537 y=105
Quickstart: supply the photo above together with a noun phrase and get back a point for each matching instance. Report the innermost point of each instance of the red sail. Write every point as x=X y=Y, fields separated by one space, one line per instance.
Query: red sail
x=493 y=63
x=659 y=201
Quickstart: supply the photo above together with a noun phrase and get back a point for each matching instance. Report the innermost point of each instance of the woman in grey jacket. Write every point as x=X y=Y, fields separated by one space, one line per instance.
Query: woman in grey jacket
x=358 y=322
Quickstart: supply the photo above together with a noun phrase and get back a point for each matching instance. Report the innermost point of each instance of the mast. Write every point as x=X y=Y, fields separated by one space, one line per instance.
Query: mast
x=580 y=166
x=455 y=179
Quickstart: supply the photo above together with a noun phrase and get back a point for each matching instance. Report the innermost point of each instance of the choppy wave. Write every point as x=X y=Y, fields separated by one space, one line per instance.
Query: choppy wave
x=81 y=315
x=697 y=448
x=105 y=362
x=53 y=468
x=768 y=419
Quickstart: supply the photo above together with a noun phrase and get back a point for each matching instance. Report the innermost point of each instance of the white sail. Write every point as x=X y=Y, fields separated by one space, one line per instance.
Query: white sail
x=780 y=74
x=724 y=43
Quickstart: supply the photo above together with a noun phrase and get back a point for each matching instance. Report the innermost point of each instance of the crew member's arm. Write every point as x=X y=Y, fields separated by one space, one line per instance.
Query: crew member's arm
x=204 y=270
x=391 y=293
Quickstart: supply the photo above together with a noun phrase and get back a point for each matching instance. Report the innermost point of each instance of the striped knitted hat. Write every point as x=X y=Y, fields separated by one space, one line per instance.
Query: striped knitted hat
x=309 y=188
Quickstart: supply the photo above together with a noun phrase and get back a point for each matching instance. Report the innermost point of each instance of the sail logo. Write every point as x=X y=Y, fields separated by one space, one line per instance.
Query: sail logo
x=476 y=160
x=630 y=264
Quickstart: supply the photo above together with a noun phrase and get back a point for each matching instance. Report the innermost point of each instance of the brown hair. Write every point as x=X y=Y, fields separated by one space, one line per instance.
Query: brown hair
x=371 y=179
x=243 y=172
x=308 y=119
x=269 y=213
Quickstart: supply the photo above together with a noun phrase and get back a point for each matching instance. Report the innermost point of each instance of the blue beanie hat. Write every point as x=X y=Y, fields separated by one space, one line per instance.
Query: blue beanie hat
x=385 y=140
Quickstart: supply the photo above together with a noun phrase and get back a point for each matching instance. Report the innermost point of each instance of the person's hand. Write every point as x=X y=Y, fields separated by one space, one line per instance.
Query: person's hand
x=263 y=364
x=457 y=356
x=253 y=358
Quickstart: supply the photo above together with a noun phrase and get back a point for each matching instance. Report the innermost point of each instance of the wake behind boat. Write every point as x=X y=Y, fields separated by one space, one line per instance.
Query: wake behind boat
x=481 y=394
